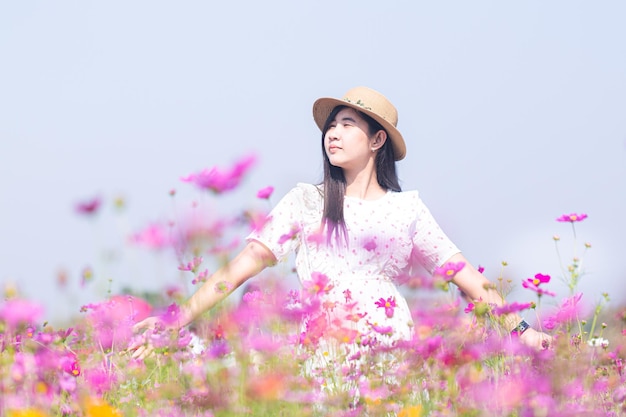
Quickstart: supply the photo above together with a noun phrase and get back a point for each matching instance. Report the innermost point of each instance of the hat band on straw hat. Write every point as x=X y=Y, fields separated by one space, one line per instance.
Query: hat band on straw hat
x=371 y=103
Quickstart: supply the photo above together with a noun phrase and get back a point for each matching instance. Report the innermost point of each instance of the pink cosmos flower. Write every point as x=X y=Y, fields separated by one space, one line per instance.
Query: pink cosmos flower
x=569 y=310
x=316 y=238
x=469 y=308
x=318 y=284
x=70 y=365
x=573 y=217
x=290 y=235
x=263 y=343
x=67 y=383
x=89 y=207
x=44 y=338
x=218 y=349
x=539 y=291
x=539 y=279
x=370 y=245
x=453 y=356
x=265 y=193
x=315 y=329
x=99 y=379
x=184 y=338
x=534 y=283
x=253 y=298
x=355 y=317
x=16 y=312
x=384 y=330
x=513 y=307
x=256 y=219
x=449 y=270
x=219 y=181
x=154 y=236
x=389 y=304
x=113 y=319
x=191 y=266
x=201 y=277
x=172 y=315
x=223 y=287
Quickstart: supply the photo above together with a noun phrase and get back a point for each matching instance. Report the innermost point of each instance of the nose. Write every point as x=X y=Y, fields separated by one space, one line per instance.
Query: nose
x=332 y=134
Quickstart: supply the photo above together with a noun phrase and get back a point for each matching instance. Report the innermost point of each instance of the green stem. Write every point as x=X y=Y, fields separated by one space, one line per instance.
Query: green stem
x=595 y=320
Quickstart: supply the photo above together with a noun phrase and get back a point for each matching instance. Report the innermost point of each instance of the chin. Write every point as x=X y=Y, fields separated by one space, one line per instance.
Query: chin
x=337 y=164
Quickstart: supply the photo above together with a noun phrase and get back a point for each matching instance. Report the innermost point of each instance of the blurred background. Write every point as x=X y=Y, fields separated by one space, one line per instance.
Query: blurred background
x=513 y=112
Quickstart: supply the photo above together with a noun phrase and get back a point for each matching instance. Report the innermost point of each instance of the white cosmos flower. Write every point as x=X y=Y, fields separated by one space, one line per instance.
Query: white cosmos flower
x=598 y=342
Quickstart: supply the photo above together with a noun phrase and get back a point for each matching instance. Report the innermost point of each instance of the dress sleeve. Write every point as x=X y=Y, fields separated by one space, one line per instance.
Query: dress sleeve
x=281 y=231
x=431 y=246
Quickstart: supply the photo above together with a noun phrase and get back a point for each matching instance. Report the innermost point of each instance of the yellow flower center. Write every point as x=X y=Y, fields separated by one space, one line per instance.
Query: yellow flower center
x=41 y=387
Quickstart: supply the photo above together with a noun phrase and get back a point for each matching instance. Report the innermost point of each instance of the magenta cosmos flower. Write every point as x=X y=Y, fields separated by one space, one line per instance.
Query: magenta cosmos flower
x=295 y=229
x=539 y=279
x=155 y=236
x=449 y=269
x=568 y=311
x=389 y=304
x=319 y=284
x=16 y=312
x=573 y=217
x=513 y=307
x=534 y=284
x=265 y=193
x=89 y=207
x=370 y=245
x=219 y=181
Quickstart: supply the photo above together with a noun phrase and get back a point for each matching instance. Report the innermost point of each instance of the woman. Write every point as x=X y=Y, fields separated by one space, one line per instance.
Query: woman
x=354 y=235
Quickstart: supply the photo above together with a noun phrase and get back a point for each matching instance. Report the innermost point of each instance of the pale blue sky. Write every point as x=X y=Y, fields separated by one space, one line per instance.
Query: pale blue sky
x=513 y=112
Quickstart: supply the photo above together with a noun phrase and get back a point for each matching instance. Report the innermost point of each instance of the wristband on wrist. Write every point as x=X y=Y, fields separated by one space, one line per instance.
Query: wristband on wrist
x=520 y=329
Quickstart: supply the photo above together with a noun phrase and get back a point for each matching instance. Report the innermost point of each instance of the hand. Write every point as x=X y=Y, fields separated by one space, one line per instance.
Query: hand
x=536 y=340
x=148 y=323
x=140 y=347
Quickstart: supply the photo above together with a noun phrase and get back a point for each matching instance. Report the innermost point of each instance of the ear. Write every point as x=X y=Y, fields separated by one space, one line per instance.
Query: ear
x=379 y=140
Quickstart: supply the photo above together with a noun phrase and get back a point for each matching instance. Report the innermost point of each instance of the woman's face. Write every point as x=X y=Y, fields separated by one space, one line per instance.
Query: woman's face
x=347 y=142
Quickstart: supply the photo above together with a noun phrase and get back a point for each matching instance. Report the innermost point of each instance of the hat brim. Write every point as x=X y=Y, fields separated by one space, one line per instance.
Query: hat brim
x=325 y=105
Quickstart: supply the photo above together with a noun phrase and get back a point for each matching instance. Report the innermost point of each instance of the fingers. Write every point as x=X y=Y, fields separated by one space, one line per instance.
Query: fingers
x=138 y=347
x=546 y=342
x=144 y=324
x=143 y=352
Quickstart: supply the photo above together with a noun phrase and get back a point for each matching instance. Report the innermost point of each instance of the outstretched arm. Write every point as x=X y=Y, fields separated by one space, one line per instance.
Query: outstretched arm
x=249 y=262
x=477 y=287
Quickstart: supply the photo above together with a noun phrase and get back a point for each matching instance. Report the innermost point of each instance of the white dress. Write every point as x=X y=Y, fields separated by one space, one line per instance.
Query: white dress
x=357 y=281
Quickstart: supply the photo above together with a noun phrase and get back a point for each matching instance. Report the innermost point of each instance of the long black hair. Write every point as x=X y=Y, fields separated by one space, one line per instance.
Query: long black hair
x=335 y=182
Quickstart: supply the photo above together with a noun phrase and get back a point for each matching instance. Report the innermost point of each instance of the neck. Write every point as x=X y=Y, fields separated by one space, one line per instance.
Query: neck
x=363 y=184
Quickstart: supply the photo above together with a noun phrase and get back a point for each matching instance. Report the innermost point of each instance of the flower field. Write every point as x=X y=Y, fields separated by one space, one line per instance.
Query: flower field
x=252 y=356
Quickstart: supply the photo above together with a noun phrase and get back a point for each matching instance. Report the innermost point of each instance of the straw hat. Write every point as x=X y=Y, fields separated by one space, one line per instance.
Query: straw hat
x=370 y=102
